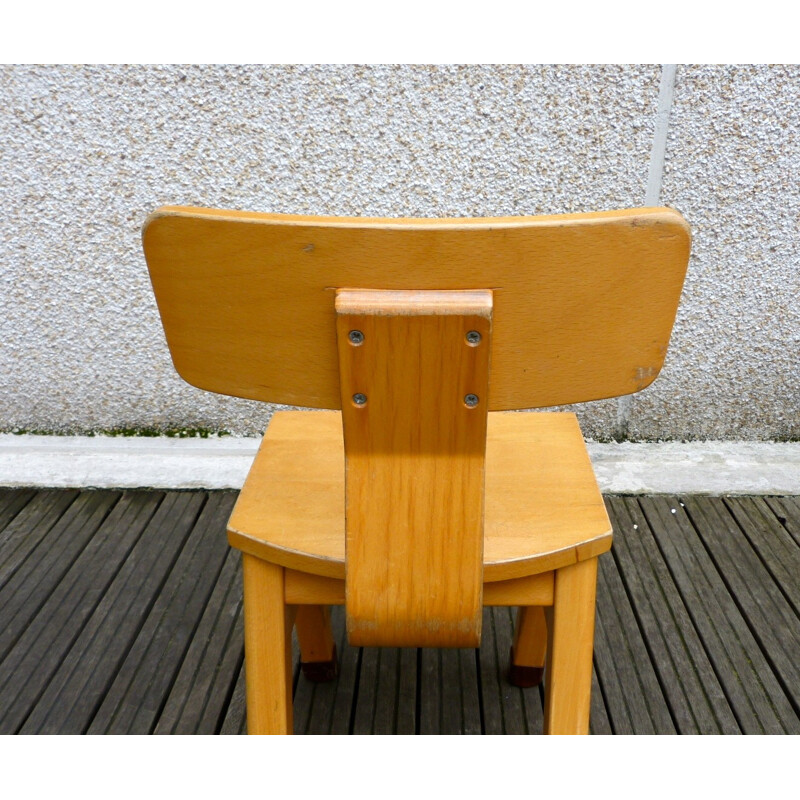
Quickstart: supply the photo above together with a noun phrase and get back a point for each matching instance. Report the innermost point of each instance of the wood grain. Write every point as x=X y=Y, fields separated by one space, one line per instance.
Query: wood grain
x=583 y=303
x=108 y=641
x=570 y=640
x=303 y=588
x=751 y=687
x=691 y=688
x=414 y=464
x=542 y=506
x=392 y=321
x=267 y=649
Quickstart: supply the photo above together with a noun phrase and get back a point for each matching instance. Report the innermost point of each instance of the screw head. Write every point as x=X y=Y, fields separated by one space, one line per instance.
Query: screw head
x=471 y=400
x=355 y=337
x=359 y=399
x=473 y=337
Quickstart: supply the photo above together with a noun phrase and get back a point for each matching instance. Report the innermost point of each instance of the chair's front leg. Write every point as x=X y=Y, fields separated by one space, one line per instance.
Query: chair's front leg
x=570 y=644
x=267 y=648
x=529 y=648
x=317 y=648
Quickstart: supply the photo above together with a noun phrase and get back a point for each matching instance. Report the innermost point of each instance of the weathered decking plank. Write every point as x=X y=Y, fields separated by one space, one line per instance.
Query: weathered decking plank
x=511 y=699
x=199 y=696
x=770 y=617
x=751 y=688
x=121 y=612
x=622 y=662
x=430 y=709
x=136 y=698
x=599 y=723
x=772 y=542
x=12 y=501
x=235 y=722
x=36 y=576
x=689 y=684
x=380 y=706
x=26 y=529
x=338 y=698
x=48 y=637
x=787 y=512
x=83 y=678
x=493 y=681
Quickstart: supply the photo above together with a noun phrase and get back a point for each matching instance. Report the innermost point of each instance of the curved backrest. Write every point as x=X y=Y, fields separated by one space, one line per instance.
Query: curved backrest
x=583 y=303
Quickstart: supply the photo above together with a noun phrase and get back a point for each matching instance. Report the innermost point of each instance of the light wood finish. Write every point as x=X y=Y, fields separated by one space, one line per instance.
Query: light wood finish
x=412 y=303
x=414 y=464
x=533 y=590
x=542 y=506
x=583 y=305
x=391 y=516
x=303 y=588
x=570 y=642
x=267 y=648
x=313 y=626
x=530 y=636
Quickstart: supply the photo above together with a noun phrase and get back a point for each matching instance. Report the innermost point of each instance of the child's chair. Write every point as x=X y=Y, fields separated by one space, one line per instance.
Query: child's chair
x=414 y=502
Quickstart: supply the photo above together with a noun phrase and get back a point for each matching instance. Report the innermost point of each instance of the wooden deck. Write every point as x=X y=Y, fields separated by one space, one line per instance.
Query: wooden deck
x=120 y=612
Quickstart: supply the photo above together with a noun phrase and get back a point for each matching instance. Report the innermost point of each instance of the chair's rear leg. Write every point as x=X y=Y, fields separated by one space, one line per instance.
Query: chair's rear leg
x=317 y=647
x=267 y=648
x=570 y=644
x=529 y=648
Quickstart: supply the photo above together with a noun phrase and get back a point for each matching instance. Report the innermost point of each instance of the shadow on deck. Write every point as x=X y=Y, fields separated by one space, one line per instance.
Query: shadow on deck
x=121 y=613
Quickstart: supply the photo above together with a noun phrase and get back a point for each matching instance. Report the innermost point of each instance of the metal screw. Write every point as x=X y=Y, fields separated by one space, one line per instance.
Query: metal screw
x=359 y=399
x=471 y=400
x=473 y=337
x=355 y=337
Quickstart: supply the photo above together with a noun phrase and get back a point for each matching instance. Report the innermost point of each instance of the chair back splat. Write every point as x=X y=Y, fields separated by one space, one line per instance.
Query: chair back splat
x=415 y=378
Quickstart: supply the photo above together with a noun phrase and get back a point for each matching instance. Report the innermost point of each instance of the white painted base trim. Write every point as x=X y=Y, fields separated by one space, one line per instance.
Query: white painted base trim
x=222 y=463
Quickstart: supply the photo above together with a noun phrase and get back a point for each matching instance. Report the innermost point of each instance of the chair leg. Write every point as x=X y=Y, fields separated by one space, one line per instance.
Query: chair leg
x=570 y=644
x=529 y=648
x=267 y=648
x=317 y=648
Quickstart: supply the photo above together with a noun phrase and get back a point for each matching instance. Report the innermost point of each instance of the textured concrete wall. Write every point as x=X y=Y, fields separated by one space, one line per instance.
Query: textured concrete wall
x=86 y=153
x=733 y=169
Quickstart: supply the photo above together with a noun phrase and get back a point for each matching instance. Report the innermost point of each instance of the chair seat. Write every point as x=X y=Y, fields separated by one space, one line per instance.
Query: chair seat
x=543 y=510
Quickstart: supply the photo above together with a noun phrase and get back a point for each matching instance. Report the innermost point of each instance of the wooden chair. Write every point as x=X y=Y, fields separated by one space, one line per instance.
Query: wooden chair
x=415 y=502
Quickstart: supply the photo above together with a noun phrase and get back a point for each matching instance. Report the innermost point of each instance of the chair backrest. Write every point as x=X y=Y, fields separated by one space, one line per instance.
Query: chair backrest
x=415 y=329
x=583 y=303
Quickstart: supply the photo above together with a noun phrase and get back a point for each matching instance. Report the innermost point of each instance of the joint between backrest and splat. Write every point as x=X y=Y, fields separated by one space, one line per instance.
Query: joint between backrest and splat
x=414 y=375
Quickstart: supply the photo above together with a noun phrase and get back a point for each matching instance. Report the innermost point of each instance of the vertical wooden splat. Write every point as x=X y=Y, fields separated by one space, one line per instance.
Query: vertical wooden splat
x=414 y=371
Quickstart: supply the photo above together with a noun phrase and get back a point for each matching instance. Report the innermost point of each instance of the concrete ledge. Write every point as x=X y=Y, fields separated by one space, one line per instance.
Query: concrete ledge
x=222 y=463
x=697 y=467
x=119 y=462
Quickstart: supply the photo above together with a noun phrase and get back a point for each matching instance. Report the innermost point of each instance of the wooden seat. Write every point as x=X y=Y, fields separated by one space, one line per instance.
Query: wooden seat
x=542 y=507
x=417 y=500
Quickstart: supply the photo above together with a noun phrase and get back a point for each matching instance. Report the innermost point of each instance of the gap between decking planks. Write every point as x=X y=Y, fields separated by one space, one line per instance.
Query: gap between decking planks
x=121 y=613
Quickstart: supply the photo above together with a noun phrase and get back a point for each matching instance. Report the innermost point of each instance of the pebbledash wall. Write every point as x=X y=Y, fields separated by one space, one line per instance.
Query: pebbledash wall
x=87 y=152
